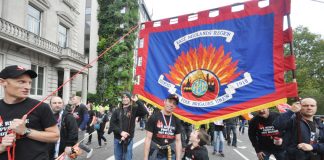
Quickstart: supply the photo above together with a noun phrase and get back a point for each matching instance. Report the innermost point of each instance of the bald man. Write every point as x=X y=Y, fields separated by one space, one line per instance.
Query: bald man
x=304 y=137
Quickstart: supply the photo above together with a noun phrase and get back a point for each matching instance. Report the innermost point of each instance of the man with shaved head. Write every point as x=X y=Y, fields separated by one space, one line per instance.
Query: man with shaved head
x=304 y=137
x=24 y=129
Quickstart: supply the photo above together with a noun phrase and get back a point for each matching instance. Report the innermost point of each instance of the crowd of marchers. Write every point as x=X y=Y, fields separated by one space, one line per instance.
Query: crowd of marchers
x=31 y=130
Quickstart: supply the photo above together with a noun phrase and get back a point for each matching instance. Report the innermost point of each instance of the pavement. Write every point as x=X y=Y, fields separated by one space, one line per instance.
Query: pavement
x=243 y=151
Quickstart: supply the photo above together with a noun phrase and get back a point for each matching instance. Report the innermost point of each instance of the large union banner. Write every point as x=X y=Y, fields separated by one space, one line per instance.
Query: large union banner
x=219 y=62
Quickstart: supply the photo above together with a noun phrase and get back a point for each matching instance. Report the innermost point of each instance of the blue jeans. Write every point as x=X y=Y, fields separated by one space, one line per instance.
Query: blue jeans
x=118 y=150
x=230 y=128
x=279 y=155
x=242 y=126
x=218 y=141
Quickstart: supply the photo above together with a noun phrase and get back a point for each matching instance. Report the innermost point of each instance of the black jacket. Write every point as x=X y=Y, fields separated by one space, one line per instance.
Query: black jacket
x=123 y=119
x=289 y=122
x=68 y=133
x=198 y=153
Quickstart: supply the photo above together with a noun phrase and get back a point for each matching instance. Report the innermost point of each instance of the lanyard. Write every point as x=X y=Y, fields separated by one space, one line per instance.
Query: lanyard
x=168 y=125
x=57 y=145
x=59 y=119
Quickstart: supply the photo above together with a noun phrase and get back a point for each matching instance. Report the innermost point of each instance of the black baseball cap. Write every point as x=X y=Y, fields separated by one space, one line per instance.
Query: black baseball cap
x=15 y=71
x=173 y=96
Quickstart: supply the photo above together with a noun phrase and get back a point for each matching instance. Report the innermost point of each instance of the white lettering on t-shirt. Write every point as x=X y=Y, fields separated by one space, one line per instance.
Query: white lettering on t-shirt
x=4 y=127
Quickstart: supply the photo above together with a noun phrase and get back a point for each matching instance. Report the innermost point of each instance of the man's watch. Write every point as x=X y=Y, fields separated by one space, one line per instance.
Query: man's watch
x=26 y=132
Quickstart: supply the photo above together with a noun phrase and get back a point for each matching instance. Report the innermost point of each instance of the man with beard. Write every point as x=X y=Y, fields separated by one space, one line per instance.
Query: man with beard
x=265 y=138
x=122 y=123
x=304 y=137
x=163 y=133
x=68 y=128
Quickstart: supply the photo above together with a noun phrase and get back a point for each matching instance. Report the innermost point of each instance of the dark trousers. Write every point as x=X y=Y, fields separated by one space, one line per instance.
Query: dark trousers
x=101 y=136
x=90 y=130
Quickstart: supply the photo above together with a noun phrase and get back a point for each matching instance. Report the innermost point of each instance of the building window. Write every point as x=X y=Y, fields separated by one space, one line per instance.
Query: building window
x=62 y=36
x=88 y=11
x=33 y=20
x=38 y=82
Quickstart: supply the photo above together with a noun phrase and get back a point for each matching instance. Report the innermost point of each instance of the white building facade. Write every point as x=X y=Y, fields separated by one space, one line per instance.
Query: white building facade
x=91 y=40
x=47 y=37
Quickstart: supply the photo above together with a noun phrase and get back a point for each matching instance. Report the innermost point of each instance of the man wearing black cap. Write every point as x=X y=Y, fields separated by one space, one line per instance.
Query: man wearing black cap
x=25 y=136
x=163 y=136
x=122 y=123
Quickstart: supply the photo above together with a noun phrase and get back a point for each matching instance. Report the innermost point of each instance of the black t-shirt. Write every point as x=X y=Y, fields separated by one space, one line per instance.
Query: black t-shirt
x=198 y=153
x=91 y=115
x=79 y=112
x=262 y=133
x=41 y=118
x=159 y=128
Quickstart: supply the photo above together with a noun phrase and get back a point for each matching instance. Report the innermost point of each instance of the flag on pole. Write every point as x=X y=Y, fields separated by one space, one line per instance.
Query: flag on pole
x=219 y=62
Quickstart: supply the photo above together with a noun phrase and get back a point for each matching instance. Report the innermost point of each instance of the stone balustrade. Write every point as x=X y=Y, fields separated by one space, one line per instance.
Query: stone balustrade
x=76 y=55
x=17 y=33
x=23 y=36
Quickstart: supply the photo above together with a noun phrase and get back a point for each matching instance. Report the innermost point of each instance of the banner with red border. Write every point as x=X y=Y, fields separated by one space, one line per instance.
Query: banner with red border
x=221 y=63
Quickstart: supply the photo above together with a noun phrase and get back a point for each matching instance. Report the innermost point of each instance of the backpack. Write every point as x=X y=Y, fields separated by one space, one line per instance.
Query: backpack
x=99 y=121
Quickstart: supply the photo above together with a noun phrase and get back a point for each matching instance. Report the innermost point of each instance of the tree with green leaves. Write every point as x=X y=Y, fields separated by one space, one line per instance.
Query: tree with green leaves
x=116 y=18
x=309 y=52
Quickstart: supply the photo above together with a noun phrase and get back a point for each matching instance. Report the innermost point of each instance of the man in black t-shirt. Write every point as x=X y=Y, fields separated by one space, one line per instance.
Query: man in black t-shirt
x=81 y=114
x=163 y=136
x=265 y=138
x=33 y=131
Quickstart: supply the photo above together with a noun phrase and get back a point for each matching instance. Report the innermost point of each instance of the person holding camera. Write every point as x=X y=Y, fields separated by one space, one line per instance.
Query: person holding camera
x=122 y=124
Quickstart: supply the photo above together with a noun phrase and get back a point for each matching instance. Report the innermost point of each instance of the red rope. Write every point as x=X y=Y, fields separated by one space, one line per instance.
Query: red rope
x=12 y=157
x=84 y=68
